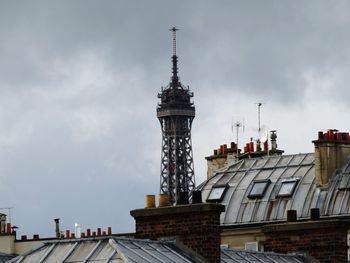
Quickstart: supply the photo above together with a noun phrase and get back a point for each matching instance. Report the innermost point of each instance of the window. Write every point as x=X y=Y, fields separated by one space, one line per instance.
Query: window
x=287 y=188
x=217 y=193
x=259 y=189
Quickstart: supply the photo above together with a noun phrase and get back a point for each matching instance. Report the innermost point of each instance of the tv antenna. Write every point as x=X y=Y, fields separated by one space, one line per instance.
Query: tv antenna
x=237 y=125
x=259 y=104
x=9 y=211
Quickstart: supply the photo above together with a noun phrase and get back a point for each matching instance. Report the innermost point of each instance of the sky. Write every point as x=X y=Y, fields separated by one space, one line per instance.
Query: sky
x=79 y=137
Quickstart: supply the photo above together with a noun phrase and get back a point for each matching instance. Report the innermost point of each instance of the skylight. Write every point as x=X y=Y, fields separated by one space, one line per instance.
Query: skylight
x=287 y=188
x=217 y=193
x=259 y=188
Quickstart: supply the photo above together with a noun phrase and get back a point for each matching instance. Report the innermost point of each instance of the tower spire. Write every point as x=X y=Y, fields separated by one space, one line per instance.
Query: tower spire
x=174 y=78
x=175 y=113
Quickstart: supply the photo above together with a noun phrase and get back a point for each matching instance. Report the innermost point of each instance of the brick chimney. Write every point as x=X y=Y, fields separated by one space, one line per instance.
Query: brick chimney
x=323 y=240
x=197 y=226
x=332 y=149
x=221 y=157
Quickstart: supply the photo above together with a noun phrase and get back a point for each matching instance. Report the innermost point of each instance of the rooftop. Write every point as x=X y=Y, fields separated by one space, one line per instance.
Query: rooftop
x=263 y=189
x=117 y=249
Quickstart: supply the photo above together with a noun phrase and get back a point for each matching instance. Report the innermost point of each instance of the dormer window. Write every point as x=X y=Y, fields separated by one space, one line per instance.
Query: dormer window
x=287 y=188
x=217 y=193
x=259 y=188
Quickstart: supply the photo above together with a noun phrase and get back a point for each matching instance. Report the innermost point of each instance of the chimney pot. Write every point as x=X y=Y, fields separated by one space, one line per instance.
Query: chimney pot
x=196 y=197
x=339 y=136
x=109 y=231
x=93 y=233
x=320 y=135
x=164 y=200
x=98 y=231
x=183 y=198
x=225 y=148
x=88 y=232
x=8 y=228
x=36 y=237
x=273 y=138
x=266 y=146
x=24 y=237
x=331 y=135
x=326 y=136
x=315 y=213
x=67 y=233
x=291 y=215
x=150 y=201
x=57 y=227
x=343 y=136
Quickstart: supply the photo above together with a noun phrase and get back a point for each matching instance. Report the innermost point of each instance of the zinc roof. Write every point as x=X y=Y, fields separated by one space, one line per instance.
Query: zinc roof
x=107 y=249
x=5 y=257
x=239 y=177
x=237 y=256
x=126 y=250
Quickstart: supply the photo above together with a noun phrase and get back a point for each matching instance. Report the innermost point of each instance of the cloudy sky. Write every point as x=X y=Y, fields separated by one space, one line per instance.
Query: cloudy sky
x=79 y=137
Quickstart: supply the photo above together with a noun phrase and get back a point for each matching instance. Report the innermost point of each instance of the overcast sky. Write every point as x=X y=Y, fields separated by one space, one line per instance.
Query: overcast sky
x=79 y=137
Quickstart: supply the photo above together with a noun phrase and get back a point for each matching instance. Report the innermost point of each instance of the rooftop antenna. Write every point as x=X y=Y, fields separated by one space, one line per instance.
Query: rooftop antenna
x=174 y=78
x=9 y=211
x=259 y=109
x=237 y=125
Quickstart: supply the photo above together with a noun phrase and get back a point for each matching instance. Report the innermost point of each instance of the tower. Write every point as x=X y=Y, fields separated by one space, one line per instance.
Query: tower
x=175 y=113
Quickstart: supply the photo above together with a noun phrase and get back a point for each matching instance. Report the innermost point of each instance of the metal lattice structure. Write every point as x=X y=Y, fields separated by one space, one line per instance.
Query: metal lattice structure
x=176 y=113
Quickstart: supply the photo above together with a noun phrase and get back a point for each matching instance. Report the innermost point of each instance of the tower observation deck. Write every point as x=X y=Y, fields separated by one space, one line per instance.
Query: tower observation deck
x=176 y=112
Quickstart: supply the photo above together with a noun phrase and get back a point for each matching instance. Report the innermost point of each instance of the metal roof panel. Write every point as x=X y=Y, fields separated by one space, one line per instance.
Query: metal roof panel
x=332 y=200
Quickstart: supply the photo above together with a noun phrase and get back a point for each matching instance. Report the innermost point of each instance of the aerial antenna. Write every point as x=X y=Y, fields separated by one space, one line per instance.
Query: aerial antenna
x=259 y=104
x=237 y=125
x=174 y=58
x=9 y=211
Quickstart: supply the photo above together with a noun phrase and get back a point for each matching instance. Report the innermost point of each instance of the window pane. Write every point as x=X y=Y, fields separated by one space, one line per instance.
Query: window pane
x=259 y=189
x=216 y=193
x=287 y=188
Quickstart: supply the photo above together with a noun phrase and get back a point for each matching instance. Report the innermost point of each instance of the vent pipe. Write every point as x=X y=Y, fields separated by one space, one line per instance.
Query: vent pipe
x=57 y=227
x=77 y=230
x=273 y=138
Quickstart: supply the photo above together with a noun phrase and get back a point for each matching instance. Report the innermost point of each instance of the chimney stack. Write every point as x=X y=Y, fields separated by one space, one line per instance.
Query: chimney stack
x=332 y=149
x=221 y=157
x=197 y=226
